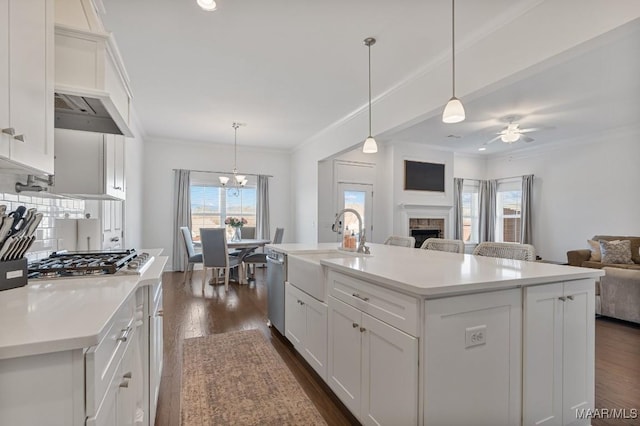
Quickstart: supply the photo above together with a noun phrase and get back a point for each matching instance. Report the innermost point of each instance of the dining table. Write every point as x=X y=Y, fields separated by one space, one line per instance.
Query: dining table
x=245 y=247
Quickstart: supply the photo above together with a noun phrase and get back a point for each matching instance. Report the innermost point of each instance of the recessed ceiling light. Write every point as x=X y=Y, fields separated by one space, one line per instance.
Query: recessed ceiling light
x=484 y=148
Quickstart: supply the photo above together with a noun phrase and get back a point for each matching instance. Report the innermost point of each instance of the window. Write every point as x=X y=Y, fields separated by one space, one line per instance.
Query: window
x=211 y=204
x=470 y=211
x=508 y=210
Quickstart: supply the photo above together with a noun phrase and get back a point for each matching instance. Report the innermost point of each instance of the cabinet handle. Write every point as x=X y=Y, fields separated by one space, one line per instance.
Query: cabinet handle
x=362 y=329
x=117 y=188
x=355 y=325
x=160 y=313
x=300 y=302
x=19 y=138
x=125 y=334
x=562 y=298
x=124 y=384
x=570 y=297
x=127 y=375
x=366 y=299
x=9 y=131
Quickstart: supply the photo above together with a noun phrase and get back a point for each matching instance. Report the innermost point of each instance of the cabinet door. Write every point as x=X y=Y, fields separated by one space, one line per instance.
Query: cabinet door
x=5 y=139
x=542 y=362
x=31 y=82
x=578 y=350
x=119 y=163
x=315 y=343
x=389 y=374
x=155 y=364
x=109 y=155
x=294 y=317
x=344 y=360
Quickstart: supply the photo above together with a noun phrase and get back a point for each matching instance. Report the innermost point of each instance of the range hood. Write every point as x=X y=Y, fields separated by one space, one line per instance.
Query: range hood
x=91 y=85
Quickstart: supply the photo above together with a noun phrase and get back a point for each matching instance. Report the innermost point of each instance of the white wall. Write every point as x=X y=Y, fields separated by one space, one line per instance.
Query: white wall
x=134 y=148
x=162 y=156
x=580 y=190
x=467 y=166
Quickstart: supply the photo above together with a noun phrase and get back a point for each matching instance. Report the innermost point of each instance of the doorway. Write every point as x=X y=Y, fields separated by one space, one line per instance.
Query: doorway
x=357 y=196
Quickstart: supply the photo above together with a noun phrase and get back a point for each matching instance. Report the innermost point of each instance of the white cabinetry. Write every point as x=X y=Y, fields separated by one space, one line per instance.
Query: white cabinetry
x=90 y=165
x=26 y=84
x=559 y=338
x=306 y=327
x=372 y=365
x=111 y=224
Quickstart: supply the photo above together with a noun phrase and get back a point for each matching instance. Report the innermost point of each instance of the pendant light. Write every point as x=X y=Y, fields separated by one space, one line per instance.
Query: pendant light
x=370 y=146
x=454 y=111
x=238 y=181
x=208 y=5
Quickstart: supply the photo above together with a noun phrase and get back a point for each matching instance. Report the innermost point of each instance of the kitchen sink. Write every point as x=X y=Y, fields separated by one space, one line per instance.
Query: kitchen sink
x=305 y=271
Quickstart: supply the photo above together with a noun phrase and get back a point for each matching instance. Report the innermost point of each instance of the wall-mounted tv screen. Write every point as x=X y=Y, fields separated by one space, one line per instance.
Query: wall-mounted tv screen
x=419 y=176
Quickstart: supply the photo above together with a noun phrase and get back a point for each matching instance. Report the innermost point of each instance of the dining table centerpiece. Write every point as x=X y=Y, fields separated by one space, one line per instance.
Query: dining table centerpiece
x=236 y=223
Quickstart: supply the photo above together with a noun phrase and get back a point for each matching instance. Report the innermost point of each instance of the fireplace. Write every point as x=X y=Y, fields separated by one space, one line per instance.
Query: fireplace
x=423 y=228
x=423 y=234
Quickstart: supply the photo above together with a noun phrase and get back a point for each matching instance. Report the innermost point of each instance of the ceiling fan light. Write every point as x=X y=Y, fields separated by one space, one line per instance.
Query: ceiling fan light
x=208 y=5
x=223 y=180
x=370 y=146
x=454 y=111
x=510 y=137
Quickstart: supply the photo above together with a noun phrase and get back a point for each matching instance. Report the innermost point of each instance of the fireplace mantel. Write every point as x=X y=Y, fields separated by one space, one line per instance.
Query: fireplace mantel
x=423 y=211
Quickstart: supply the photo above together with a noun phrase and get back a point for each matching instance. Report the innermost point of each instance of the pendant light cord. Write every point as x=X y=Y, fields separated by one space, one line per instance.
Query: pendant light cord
x=235 y=148
x=453 y=45
x=369 y=89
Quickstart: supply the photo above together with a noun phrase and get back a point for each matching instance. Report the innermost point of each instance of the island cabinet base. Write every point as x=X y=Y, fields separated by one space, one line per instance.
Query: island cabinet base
x=472 y=359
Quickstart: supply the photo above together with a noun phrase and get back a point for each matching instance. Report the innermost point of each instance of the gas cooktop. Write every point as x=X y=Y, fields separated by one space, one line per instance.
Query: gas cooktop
x=73 y=264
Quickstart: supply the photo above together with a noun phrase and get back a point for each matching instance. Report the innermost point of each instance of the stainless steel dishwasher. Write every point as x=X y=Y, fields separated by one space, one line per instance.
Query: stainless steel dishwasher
x=276 y=276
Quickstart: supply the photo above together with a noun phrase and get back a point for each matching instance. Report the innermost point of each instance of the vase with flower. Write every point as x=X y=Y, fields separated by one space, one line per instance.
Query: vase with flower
x=236 y=224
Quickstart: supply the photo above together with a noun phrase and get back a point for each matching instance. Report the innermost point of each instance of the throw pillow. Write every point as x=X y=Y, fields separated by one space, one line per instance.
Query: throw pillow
x=616 y=251
x=596 y=255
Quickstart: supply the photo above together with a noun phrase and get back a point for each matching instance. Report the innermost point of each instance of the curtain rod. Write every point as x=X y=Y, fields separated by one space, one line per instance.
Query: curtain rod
x=509 y=177
x=223 y=173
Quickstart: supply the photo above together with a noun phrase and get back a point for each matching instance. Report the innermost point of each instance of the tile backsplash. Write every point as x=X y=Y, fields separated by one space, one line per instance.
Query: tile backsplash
x=52 y=209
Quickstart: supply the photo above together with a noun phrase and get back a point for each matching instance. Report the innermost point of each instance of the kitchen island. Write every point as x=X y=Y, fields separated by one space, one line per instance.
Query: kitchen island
x=424 y=337
x=82 y=350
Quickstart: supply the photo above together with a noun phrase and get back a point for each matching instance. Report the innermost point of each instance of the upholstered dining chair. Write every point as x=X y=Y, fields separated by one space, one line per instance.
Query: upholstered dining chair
x=192 y=256
x=397 y=240
x=215 y=255
x=443 y=244
x=248 y=232
x=261 y=258
x=506 y=250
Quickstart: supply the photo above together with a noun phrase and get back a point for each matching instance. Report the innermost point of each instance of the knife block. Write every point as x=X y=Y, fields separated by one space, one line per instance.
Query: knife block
x=13 y=273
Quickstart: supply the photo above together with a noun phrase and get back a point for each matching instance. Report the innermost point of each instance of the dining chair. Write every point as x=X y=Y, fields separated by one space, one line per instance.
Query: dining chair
x=261 y=258
x=397 y=240
x=215 y=255
x=443 y=244
x=192 y=256
x=248 y=232
x=506 y=250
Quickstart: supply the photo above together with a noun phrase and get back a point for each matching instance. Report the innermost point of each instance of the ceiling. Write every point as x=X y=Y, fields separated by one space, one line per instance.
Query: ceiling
x=289 y=69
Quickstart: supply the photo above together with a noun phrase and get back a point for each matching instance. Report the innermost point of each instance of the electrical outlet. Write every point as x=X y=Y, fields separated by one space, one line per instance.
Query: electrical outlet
x=475 y=336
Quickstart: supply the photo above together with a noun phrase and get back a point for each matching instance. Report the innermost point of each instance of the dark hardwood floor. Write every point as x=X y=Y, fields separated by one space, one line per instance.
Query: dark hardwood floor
x=189 y=313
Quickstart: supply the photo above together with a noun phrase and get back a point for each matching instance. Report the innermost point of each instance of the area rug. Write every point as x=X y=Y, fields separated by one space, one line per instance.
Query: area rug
x=237 y=378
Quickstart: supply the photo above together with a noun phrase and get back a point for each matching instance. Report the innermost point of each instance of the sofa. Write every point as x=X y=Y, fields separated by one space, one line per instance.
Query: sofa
x=584 y=258
x=618 y=291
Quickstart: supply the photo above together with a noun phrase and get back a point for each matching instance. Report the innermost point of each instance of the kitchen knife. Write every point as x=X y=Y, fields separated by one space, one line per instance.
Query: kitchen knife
x=26 y=220
x=3 y=209
x=7 y=223
x=27 y=246
x=12 y=251
x=17 y=218
x=33 y=224
x=7 y=247
x=20 y=248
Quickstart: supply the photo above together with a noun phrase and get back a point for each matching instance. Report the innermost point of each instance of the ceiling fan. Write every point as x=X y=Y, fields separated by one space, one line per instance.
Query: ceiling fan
x=513 y=133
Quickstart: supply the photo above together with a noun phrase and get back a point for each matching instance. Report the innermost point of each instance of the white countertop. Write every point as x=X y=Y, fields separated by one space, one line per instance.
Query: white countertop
x=51 y=315
x=430 y=273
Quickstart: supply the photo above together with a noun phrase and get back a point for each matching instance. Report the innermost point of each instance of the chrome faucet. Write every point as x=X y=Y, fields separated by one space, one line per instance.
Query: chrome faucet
x=362 y=248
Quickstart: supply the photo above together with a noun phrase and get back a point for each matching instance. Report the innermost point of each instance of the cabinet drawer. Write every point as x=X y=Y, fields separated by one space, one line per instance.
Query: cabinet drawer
x=101 y=361
x=396 y=309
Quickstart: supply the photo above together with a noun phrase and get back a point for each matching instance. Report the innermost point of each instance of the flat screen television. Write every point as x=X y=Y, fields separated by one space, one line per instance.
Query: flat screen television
x=419 y=176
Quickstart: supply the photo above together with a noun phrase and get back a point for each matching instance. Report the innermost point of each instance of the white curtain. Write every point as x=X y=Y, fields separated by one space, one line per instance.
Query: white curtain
x=457 y=208
x=182 y=216
x=262 y=208
x=487 y=218
x=526 y=234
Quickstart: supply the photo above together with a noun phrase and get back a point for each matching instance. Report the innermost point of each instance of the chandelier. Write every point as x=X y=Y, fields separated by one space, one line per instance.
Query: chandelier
x=238 y=181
